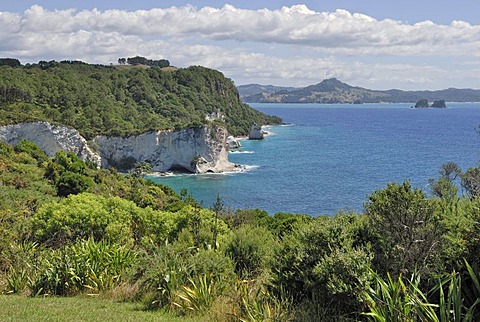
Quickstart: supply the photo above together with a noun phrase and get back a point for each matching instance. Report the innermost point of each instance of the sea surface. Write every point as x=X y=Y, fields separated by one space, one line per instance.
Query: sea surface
x=331 y=157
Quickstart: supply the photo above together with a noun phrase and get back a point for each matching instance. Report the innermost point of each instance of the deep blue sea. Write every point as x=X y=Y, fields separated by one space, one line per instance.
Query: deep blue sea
x=330 y=157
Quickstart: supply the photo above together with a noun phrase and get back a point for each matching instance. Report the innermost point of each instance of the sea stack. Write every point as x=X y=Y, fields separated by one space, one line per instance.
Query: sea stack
x=439 y=104
x=256 y=132
x=423 y=103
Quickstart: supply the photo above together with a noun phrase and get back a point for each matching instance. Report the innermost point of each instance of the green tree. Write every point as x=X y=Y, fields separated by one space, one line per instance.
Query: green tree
x=471 y=182
x=444 y=186
x=12 y=62
x=141 y=168
x=217 y=210
x=407 y=228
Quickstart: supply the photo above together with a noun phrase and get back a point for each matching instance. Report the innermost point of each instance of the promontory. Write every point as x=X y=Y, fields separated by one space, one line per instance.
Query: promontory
x=172 y=118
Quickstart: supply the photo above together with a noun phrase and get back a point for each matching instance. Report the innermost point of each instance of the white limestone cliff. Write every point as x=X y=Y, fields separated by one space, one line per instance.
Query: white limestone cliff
x=196 y=149
x=50 y=138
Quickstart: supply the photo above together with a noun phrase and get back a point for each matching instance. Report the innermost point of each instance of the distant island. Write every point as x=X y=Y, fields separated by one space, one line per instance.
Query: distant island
x=423 y=103
x=332 y=91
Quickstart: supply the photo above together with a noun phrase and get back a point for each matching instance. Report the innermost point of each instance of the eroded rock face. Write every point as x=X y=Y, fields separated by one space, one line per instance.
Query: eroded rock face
x=196 y=149
x=50 y=138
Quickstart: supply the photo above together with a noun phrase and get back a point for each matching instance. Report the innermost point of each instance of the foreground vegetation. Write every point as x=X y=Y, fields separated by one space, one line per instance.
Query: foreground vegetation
x=119 y=100
x=68 y=229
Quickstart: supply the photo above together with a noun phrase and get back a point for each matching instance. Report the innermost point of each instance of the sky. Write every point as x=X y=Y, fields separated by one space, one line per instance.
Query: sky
x=410 y=45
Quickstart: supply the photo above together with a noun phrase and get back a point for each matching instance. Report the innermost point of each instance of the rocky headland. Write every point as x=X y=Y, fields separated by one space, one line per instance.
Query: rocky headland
x=173 y=118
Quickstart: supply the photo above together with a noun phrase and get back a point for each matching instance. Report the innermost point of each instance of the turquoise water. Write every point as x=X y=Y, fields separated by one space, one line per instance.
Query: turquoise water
x=330 y=157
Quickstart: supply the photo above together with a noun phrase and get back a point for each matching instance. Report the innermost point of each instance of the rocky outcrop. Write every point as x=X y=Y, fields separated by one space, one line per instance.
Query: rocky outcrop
x=256 y=132
x=50 y=138
x=196 y=149
x=233 y=143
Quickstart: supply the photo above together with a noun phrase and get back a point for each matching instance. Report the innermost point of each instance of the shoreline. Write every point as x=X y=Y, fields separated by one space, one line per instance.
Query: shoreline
x=238 y=168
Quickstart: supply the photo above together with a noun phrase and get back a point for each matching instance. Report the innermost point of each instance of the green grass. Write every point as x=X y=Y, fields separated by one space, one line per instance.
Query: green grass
x=21 y=308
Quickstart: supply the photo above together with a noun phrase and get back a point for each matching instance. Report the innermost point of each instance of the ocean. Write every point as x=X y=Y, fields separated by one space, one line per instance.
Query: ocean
x=329 y=158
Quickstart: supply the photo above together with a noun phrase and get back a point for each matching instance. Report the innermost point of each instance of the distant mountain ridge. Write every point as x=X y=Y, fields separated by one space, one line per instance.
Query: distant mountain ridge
x=331 y=91
x=252 y=89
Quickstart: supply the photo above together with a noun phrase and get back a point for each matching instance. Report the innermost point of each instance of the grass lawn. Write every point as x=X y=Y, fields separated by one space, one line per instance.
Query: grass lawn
x=21 y=308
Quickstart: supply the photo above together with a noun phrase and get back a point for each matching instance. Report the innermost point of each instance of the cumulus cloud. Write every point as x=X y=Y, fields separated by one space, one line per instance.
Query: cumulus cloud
x=296 y=25
x=237 y=41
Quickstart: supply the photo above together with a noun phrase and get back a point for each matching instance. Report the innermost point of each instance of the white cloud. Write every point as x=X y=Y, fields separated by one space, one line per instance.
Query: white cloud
x=295 y=25
x=239 y=42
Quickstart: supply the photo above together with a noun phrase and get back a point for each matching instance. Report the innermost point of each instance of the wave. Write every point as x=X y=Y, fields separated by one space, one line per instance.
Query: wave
x=242 y=152
x=240 y=169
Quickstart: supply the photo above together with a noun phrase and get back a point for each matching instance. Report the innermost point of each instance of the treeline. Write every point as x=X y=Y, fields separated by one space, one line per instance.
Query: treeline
x=115 y=100
x=138 y=60
x=67 y=228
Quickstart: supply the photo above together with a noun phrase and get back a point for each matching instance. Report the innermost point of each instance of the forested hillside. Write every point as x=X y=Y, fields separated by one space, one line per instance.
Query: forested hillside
x=117 y=100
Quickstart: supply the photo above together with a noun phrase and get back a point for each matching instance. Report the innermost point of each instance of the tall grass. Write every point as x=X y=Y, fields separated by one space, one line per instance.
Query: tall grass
x=85 y=266
x=199 y=296
x=402 y=300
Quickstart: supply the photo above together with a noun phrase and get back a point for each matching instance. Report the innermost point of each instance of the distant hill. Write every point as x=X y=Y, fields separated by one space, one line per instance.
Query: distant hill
x=252 y=89
x=334 y=91
x=120 y=100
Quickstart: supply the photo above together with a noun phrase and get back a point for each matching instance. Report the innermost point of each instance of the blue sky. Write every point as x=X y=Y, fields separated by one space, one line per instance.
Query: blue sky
x=440 y=11
x=371 y=43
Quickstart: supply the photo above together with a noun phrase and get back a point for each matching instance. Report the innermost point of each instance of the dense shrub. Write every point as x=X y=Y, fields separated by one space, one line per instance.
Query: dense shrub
x=407 y=228
x=251 y=249
x=325 y=261
x=32 y=149
x=86 y=215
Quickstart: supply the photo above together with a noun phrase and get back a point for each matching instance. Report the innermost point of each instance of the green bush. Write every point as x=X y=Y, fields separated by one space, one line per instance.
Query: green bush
x=6 y=150
x=325 y=261
x=32 y=149
x=251 y=249
x=71 y=183
x=87 y=215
